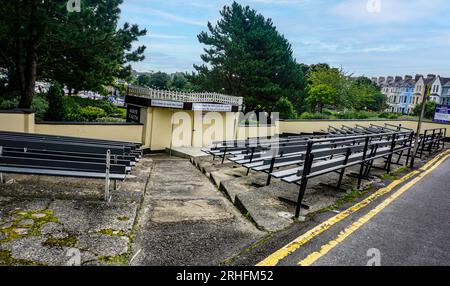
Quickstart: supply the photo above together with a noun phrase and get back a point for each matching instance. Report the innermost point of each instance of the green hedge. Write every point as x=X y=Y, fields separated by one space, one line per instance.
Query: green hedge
x=87 y=110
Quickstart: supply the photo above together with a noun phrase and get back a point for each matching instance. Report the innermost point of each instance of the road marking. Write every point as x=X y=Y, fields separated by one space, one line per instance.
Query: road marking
x=277 y=256
x=313 y=257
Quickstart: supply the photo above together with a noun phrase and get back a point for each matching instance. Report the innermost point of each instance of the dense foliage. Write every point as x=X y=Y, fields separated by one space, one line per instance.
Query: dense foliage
x=79 y=109
x=285 y=108
x=161 y=80
x=41 y=40
x=430 y=109
x=55 y=100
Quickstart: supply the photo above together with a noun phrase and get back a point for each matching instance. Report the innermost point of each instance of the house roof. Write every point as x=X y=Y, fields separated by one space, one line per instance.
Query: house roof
x=445 y=80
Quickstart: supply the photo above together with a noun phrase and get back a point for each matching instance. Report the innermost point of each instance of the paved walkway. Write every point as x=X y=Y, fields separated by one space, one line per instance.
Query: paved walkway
x=409 y=225
x=185 y=220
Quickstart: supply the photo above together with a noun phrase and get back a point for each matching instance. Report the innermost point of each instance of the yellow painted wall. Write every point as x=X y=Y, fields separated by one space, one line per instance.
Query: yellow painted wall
x=245 y=132
x=191 y=128
x=161 y=128
x=17 y=122
x=119 y=132
x=318 y=125
x=217 y=126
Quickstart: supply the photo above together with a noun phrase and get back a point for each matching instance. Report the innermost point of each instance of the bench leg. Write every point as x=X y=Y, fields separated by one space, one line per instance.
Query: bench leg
x=304 y=182
x=107 y=190
x=360 y=175
x=422 y=150
x=224 y=155
x=1 y=178
x=341 y=176
x=399 y=157
x=301 y=195
x=272 y=165
x=269 y=178
x=408 y=155
x=107 y=180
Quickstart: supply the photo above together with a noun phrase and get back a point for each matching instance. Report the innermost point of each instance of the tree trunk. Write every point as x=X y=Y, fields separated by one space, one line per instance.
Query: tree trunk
x=28 y=67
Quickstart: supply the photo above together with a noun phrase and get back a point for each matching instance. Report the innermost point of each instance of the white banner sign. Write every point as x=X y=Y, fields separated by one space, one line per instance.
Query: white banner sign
x=442 y=114
x=211 y=107
x=167 y=104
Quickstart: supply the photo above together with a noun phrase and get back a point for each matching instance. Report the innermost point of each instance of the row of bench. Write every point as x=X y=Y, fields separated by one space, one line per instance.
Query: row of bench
x=431 y=140
x=296 y=159
x=37 y=154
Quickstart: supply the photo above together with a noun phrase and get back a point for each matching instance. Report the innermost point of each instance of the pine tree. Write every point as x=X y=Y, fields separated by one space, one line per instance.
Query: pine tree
x=42 y=40
x=246 y=56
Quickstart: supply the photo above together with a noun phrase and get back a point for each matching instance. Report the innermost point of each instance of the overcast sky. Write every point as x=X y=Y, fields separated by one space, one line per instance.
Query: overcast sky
x=395 y=37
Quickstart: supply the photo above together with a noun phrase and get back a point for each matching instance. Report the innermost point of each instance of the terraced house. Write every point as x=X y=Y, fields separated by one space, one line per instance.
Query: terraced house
x=445 y=96
x=404 y=94
x=422 y=86
x=437 y=90
x=399 y=92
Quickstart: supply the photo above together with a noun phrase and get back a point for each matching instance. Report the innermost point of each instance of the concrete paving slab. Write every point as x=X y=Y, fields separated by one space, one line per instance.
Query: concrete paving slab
x=191 y=210
x=186 y=152
x=42 y=218
x=188 y=222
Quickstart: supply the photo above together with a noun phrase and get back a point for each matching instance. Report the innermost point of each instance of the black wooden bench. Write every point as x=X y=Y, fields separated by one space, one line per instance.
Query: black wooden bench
x=343 y=158
x=35 y=154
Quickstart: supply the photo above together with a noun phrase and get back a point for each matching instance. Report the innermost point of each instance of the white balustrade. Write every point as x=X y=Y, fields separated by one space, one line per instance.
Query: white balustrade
x=184 y=96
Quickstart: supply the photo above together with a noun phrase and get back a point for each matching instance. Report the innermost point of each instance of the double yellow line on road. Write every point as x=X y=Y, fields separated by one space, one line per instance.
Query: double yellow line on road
x=282 y=253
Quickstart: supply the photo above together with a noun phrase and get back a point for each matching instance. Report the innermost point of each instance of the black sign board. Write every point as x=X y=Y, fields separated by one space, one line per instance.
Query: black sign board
x=133 y=114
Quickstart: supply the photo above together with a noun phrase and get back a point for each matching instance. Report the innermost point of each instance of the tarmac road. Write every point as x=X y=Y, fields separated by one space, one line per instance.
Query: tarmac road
x=408 y=226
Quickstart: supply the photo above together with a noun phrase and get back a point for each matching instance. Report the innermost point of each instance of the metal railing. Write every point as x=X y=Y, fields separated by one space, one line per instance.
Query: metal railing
x=205 y=97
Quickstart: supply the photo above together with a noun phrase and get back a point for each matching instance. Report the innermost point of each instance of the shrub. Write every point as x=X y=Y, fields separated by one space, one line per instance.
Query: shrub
x=72 y=108
x=86 y=114
x=9 y=103
x=307 y=115
x=104 y=104
x=56 y=111
x=430 y=109
x=40 y=106
x=327 y=112
x=285 y=108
